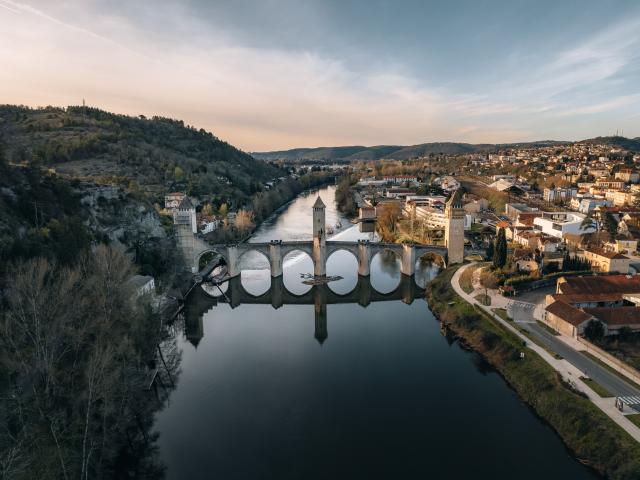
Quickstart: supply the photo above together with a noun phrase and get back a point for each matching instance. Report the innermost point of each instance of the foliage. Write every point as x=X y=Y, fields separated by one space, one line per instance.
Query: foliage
x=74 y=356
x=500 y=253
x=594 y=331
x=344 y=196
x=88 y=142
x=490 y=251
x=571 y=263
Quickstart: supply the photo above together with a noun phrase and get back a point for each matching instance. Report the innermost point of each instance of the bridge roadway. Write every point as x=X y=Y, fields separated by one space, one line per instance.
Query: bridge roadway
x=276 y=250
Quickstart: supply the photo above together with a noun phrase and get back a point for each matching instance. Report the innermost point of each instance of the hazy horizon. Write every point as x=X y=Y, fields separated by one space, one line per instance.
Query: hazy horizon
x=276 y=75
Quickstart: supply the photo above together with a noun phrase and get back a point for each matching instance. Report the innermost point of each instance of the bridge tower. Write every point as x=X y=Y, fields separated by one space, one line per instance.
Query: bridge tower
x=319 y=238
x=454 y=228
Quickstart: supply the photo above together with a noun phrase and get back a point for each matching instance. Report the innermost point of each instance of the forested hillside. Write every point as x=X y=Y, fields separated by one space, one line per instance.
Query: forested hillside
x=154 y=155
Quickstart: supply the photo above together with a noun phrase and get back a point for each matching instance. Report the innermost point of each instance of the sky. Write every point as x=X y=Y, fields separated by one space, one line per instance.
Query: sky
x=279 y=74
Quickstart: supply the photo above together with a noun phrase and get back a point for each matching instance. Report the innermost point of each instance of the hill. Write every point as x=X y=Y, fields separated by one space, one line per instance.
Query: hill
x=632 y=144
x=154 y=155
x=396 y=152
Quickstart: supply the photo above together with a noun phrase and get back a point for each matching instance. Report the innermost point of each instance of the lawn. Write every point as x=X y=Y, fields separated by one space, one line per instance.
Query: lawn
x=502 y=313
x=596 y=387
x=466 y=278
x=484 y=299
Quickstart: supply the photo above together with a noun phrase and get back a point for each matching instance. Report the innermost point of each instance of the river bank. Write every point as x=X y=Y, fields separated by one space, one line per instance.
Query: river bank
x=587 y=432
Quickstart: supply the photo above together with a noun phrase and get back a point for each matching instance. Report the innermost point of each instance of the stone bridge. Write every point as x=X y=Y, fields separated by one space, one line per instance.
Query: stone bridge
x=276 y=250
x=319 y=248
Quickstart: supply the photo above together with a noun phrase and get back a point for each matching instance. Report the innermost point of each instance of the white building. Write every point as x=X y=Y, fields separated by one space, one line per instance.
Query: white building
x=557 y=224
x=143 y=284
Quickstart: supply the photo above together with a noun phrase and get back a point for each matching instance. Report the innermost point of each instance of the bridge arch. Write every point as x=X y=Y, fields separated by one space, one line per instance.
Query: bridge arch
x=386 y=264
x=200 y=260
x=343 y=261
x=254 y=265
x=296 y=261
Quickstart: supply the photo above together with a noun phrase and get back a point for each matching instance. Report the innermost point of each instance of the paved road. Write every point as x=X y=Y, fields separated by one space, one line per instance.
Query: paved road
x=612 y=382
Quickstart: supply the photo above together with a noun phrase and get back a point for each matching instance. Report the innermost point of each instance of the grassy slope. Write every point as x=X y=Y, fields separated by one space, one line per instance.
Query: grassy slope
x=588 y=432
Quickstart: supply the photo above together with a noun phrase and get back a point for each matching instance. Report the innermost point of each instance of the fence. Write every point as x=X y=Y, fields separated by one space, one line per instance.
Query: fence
x=612 y=361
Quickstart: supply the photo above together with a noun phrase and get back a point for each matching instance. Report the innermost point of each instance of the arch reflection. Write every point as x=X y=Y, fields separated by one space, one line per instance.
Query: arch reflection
x=278 y=295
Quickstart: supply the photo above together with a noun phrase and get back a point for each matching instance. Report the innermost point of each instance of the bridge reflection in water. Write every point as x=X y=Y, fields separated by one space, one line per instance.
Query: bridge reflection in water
x=200 y=302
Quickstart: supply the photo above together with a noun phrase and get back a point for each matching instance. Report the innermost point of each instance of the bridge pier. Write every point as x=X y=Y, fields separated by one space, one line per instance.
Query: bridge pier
x=277 y=289
x=406 y=289
x=319 y=257
x=364 y=258
x=408 y=260
x=275 y=258
x=233 y=264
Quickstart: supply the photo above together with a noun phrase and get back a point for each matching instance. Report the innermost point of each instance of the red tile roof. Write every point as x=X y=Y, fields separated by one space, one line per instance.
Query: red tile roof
x=597 y=284
x=568 y=313
x=616 y=316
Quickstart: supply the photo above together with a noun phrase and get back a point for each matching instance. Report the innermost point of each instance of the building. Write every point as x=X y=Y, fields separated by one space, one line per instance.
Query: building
x=558 y=224
x=628 y=176
x=557 y=194
x=172 y=200
x=143 y=284
x=612 y=300
x=513 y=210
x=606 y=261
x=400 y=179
x=454 y=228
x=185 y=214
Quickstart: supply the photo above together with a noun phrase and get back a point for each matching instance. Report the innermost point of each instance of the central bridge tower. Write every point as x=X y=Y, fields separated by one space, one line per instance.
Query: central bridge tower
x=319 y=238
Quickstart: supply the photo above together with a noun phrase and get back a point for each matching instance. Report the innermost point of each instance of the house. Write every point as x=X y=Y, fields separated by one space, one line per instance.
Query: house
x=628 y=176
x=554 y=194
x=400 y=179
x=398 y=192
x=558 y=224
x=606 y=261
x=612 y=300
x=623 y=244
x=514 y=210
x=566 y=319
x=143 y=284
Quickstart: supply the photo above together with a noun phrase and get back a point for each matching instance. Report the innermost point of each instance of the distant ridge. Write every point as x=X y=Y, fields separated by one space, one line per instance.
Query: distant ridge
x=399 y=152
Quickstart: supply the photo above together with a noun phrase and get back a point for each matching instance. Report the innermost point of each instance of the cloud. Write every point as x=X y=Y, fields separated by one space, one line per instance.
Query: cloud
x=268 y=98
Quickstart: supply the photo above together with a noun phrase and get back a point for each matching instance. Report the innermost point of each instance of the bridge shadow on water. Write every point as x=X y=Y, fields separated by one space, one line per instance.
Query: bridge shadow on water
x=204 y=298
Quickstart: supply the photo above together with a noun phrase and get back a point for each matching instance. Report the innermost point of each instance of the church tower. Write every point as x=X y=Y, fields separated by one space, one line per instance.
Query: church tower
x=454 y=228
x=319 y=238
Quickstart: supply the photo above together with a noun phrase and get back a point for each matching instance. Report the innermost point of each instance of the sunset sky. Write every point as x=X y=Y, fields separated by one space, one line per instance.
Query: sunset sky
x=275 y=74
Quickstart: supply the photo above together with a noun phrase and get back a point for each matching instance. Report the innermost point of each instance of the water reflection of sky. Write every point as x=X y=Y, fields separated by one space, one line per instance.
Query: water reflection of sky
x=291 y=225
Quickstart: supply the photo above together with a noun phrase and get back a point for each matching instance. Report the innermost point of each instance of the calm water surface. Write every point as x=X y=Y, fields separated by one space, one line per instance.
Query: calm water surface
x=314 y=391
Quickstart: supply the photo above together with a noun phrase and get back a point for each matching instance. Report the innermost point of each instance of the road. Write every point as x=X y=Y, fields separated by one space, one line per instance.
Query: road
x=522 y=311
x=573 y=364
x=612 y=382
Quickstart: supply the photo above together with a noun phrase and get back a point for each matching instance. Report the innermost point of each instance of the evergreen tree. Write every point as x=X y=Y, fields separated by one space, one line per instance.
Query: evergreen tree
x=500 y=254
x=490 y=251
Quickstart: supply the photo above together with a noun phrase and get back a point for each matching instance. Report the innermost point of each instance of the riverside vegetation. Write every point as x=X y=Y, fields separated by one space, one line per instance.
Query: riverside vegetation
x=588 y=432
x=79 y=215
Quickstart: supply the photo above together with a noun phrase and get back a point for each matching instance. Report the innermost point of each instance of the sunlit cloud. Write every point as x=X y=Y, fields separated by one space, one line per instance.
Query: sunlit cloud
x=269 y=98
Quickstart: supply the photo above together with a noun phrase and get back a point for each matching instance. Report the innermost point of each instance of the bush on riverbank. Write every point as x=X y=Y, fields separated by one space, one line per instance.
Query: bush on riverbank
x=588 y=432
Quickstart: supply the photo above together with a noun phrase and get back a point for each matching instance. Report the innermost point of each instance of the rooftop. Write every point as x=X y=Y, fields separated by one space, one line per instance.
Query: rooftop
x=568 y=313
x=616 y=316
x=599 y=284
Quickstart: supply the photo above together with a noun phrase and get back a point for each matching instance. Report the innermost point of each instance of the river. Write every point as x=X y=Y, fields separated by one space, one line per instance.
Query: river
x=309 y=391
